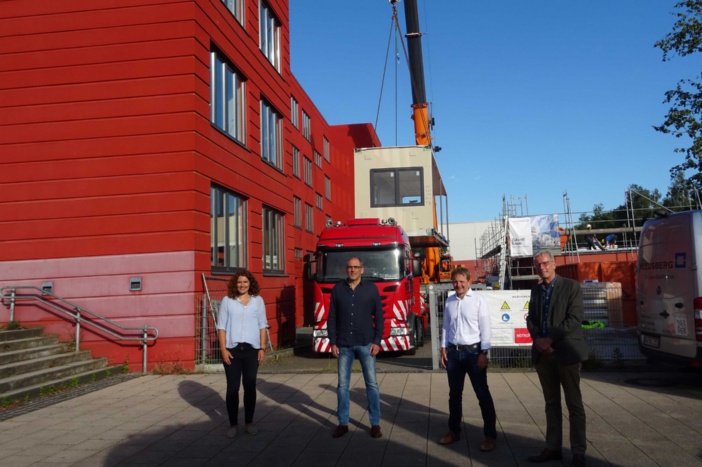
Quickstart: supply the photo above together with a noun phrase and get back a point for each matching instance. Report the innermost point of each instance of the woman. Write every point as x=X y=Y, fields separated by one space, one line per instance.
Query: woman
x=241 y=329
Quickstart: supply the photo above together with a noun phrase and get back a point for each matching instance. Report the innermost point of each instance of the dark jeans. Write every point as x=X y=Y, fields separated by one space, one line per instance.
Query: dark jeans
x=553 y=376
x=244 y=367
x=460 y=362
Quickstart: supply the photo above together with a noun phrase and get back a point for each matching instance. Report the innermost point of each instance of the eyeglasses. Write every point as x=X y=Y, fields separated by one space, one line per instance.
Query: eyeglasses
x=543 y=264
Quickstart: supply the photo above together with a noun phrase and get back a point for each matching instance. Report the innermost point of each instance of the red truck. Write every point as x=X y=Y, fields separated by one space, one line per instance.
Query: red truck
x=384 y=248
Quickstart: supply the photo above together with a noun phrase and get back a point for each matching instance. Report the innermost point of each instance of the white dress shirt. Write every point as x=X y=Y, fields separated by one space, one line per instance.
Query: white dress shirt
x=466 y=321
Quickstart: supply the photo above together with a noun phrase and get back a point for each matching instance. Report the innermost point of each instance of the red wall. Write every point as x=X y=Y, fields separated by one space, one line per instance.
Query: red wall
x=108 y=150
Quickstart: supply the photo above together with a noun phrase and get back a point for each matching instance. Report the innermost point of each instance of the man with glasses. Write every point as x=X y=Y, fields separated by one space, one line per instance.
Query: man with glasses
x=555 y=324
x=355 y=326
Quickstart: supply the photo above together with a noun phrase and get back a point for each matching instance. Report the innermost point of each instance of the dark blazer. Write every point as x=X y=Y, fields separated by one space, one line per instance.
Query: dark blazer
x=565 y=316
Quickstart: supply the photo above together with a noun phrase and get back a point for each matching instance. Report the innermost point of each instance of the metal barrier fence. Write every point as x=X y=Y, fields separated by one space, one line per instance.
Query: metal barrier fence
x=609 y=342
x=207 y=350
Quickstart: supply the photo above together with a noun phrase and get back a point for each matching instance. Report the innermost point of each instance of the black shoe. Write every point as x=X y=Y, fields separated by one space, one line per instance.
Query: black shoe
x=546 y=455
x=375 y=431
x=340 y=431
x=578 y=460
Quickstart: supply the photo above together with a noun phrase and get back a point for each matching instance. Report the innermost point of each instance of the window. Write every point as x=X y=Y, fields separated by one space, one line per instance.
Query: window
x=298 y=253
x=320 y=202
x=326 y=149
x=273 y=240
x=297 y=212
x=327 y=187
x=269 y=35
x=227 y=96
x=296 y=162
x=294 y=112
x=306 y=126
x=318 y=159
x=309 y=218
x=237 y=9
x=397 y=187
x=329 y=221
x=308 y=171
x=227 y=229
x=271 y=136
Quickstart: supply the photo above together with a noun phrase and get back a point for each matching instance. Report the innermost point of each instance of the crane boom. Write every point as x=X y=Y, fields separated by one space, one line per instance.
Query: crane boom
x=420 y=115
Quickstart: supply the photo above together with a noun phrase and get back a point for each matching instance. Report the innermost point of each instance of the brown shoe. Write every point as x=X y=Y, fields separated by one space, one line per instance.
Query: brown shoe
x=487 y=445
x=546 y=455
x=340 y=431
x=375 y=431
x=449 y=438
x=578 y=460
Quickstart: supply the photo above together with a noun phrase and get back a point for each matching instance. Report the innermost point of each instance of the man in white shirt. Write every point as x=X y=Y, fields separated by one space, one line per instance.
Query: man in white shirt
x=465 y=341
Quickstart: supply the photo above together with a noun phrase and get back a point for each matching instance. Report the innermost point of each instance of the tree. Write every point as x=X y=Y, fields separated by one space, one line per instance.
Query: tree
x=685 y=115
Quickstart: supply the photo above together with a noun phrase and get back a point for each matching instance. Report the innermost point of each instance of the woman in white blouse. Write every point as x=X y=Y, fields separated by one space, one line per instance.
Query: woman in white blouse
x=241 y=328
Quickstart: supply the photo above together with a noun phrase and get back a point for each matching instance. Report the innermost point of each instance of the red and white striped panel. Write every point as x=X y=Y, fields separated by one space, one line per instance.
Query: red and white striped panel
x=395 y=344
x=321 y=345
x=400 y=309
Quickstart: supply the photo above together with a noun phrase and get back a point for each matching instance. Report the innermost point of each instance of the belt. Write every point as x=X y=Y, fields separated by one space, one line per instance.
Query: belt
x=464 y=347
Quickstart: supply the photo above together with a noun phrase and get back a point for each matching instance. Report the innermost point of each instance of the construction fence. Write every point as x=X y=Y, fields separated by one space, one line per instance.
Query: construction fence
x=610 y=342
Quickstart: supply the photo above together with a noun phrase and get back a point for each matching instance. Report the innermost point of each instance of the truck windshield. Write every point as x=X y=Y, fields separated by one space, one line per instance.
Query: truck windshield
x=377 y=264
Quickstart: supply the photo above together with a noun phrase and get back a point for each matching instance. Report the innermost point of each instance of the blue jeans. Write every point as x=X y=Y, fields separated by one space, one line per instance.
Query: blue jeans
x=460 y=362
x=346 y=357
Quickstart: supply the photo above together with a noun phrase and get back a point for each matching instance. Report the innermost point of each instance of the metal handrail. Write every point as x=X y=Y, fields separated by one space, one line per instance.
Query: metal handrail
x=148 y=333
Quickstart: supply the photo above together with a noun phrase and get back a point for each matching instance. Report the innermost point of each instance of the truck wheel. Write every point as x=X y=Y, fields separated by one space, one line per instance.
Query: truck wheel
x=413 y=340
x=420 y=332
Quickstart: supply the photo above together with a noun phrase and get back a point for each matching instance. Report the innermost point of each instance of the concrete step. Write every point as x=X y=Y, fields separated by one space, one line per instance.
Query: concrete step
x=29 y=353
x=41 y=363
x=15 y=334
x=33 y=391
x=27 y=343
x=49 y=376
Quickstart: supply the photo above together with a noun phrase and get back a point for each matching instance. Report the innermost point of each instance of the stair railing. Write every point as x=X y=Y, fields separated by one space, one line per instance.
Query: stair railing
x=9 y=296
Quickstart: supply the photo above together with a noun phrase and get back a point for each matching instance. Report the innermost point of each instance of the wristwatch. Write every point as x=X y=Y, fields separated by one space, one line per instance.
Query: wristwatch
x=485 y=352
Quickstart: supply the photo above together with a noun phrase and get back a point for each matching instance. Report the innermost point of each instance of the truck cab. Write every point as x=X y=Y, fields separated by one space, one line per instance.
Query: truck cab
x=384 y=249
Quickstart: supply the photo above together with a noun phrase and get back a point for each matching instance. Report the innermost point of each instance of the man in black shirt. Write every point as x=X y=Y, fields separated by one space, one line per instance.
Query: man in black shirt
x=355 y=326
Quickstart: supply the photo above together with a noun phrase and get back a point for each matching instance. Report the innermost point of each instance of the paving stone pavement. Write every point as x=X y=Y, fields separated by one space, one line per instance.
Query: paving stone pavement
x=634 y=419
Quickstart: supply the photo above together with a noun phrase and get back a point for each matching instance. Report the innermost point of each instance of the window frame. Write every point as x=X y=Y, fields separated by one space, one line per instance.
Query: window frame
x=227 y=97
x=273 y=240
x=397 y=199
x=269 y=34
x=271 y=142
x=295 y=162
x=327 y=155
x=294 y=112
x=306 y=126
x=308 y=171
x=309 y=218
x=327 y=188
x=220 y=199
x=297 y=212
x=237 y=9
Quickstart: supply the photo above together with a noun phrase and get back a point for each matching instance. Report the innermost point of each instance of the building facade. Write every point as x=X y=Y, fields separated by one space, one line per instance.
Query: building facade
x=146 y=143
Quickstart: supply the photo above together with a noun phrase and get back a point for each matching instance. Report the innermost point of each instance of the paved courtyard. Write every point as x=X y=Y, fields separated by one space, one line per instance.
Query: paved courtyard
x=634 y=419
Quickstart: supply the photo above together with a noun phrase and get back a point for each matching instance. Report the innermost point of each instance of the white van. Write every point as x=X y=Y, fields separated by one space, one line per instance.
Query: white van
x=669 y=289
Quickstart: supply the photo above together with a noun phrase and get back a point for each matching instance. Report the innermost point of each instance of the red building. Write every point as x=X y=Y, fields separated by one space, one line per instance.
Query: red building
x=154 y=141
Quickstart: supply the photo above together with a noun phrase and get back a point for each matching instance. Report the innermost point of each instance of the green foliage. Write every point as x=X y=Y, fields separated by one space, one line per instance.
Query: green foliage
x=13 y=325
x=73 y=383
x=93 y=378
x=108 y=372
x=683 y=119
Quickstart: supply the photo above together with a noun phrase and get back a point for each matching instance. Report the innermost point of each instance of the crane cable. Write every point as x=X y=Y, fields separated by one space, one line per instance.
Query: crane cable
x=395 y=26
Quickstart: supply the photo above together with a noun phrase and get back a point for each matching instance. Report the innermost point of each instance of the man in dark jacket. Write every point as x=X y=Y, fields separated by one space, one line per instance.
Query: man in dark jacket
x=355 y=326
x=555 y=324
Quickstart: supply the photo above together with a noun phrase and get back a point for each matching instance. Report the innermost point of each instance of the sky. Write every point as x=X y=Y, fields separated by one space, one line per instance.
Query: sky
x=543 y=103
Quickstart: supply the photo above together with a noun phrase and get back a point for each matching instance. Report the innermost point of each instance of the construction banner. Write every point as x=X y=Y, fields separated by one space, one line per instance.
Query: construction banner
x=508 y=313
x=520 y=239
